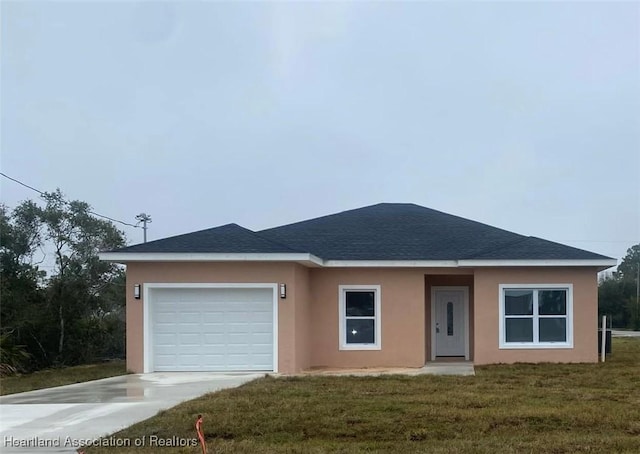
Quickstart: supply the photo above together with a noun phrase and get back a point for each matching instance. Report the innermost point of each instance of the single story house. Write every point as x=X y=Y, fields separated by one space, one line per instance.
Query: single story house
x=386 y=285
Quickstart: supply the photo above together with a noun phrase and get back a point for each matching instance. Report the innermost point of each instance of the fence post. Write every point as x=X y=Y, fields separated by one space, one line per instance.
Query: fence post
x=603 y=353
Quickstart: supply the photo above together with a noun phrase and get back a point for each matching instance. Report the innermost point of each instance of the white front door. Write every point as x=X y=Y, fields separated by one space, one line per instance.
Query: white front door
x=450 y=322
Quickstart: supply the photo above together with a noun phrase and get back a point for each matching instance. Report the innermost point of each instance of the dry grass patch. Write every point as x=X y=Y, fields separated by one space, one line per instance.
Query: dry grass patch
x=544 y=408
x=61 y=376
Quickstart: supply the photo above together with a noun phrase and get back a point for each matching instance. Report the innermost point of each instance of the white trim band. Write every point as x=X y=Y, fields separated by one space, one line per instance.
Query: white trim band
x=312 y=260
x=124 y=257
x=550 y=262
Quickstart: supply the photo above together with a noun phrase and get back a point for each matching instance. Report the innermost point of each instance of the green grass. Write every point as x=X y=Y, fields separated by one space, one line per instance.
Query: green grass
x=524 y=408
x=61 y=376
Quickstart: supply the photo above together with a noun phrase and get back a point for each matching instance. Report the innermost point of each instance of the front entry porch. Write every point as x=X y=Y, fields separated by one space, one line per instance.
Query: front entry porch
x=449 y=368
x=449 y=319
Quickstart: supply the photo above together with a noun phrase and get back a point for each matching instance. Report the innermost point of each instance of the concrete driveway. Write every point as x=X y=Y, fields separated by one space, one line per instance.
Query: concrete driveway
x=54 y=419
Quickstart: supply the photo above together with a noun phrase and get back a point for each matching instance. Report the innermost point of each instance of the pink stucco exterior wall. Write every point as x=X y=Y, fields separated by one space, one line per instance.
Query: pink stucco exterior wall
x=585 y=314
x=402 y=317
x=303 y=320
x=308 y=318
x=193 y=272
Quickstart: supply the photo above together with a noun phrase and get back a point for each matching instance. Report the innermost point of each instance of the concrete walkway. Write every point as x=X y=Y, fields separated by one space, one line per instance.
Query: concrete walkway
x=59 y=417
x=431 y=368
x=449 y=368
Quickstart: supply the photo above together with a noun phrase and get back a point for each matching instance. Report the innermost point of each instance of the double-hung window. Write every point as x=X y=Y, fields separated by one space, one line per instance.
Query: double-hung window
x=359 y=307
x=536 y=316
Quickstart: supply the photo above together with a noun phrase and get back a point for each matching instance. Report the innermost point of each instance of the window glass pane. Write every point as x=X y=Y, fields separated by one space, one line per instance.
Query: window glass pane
x=553 y=330
x=518 y=302
x=519 y=329
x=360 y=304
x=449 y=318
x=360 y=331
x=552 y=302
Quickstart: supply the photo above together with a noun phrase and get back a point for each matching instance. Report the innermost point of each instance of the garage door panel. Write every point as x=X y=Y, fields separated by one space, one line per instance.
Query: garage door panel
x=169 y=359
x=189 y=317
x=212 y=317
x=262 y=349
x=261 y=338
x=261 y=359
x=218 y=331
x=196 y=350
x=264 y=317
x=190 y=328
x=166 y=317
x=237 y=364
x=261 y=327
x=237 y=317
x=214 y=338
x=223 y=295
x=166 y=339
x=168 y=348
x=237 y=349
x=237 y=361
x=165 y=328
x=212 y=329
x=190 y=339
x=189 y=359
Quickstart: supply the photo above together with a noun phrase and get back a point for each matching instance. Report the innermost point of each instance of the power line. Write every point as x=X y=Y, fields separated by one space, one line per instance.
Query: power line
x=42 y=193
x=21 y=183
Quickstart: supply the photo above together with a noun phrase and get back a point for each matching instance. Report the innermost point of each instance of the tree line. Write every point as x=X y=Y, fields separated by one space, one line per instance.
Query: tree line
x=74 y=313
x=618 y=292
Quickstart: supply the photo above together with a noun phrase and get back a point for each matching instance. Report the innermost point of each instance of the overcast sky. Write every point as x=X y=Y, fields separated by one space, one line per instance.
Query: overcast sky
x=525 y=116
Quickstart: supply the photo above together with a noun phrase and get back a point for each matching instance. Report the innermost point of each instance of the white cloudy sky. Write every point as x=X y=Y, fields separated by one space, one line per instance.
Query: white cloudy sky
x=521 y=115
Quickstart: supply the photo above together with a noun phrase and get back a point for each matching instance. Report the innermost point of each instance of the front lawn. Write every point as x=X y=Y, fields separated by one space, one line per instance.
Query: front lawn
x=49 y=378
x=527 y=408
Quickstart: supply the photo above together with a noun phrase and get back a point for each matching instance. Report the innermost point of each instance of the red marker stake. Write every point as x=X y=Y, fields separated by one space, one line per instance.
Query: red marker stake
x=200 y=434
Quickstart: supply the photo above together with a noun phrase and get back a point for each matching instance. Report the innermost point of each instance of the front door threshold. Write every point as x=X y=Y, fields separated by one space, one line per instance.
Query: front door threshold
x=450 y=359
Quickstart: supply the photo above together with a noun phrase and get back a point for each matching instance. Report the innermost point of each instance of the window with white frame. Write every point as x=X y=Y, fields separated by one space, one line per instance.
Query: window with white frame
x=359 y=317
x=536 y=316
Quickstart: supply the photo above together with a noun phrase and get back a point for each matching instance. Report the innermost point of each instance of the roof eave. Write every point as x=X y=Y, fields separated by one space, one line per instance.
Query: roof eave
x=601 y=264
x=129 y=257
x=311 y=260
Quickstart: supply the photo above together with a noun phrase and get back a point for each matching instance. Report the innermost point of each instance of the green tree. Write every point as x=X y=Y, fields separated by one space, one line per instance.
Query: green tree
x=628 y=271
x=628 y=268
x=21 y=294
x=79 y=277
x=76 y=312
x=612 y=302
x=617 y=292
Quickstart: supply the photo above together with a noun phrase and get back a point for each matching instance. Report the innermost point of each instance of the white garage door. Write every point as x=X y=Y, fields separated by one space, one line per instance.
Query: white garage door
x=211 y=329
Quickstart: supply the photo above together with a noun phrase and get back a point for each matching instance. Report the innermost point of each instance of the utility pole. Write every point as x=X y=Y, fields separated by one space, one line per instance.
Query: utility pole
x=145 y=219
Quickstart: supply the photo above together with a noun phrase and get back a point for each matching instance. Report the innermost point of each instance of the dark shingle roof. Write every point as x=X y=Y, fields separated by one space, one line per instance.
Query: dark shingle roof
x=533 y=248
x=399 y=231
x=387 y=231
x=230 y=238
